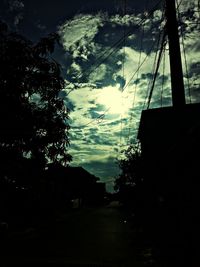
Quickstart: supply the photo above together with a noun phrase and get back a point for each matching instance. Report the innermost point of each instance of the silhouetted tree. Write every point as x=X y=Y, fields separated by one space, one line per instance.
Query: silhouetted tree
x=131 y=168
x=130 y=184
x=33 y=118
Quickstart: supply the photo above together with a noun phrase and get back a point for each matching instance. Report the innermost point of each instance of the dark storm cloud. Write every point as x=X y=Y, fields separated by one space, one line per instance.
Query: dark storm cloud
x=195 y=68
x=143 y=77
x=119 y=79
x=162 y=79
x=94 y=114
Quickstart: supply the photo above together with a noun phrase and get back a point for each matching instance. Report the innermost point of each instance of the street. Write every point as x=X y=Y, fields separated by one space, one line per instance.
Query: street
x=87 y=237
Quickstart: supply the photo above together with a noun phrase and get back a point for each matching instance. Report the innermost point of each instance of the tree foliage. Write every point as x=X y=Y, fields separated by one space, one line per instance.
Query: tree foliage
x=131 y=168
x=33 y=118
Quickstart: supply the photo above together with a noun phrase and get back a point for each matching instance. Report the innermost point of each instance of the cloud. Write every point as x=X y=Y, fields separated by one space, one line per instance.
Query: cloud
x=16 y=9
x=99 y=74
x=107 y=90
x=185 y=5
x=190 y=47
x=41 y=26
x=100 y=124
x=78 y=34
x=18 y=19
x=16 y=5
x=126 y=20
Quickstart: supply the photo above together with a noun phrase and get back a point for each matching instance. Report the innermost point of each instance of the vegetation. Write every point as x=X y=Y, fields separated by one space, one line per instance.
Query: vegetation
x=130 y=168
x=34 y=127
x=130 y=177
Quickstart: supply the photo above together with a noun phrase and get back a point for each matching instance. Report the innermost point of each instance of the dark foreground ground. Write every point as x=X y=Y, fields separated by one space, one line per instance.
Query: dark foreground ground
x=87 y=237
x=99 y=236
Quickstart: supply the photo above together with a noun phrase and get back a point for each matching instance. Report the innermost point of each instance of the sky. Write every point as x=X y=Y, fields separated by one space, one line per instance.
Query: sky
x=107 y=55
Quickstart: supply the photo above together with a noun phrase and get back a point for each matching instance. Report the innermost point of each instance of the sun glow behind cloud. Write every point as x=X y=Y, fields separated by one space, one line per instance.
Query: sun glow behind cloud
x=115 y=100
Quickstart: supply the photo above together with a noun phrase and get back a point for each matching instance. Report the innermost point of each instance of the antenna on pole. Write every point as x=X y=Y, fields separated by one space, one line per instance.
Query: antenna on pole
x=177 y=84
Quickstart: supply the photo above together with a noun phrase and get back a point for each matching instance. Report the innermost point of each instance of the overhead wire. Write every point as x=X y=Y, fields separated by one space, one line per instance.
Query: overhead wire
x=139 y=67
x=163 y=43
x=179 y=4
x=153 y=71
x=198 y=7
x=105 y=55
x=150 y=13
x=137 y=142
x=123 y=75
x=98 y=120
x=121 y=40
x=101 y=116
x=148 y=87
x=185 y=58
x=157 y=59
x=135 y=88
x=163 y=79
x=137 y=71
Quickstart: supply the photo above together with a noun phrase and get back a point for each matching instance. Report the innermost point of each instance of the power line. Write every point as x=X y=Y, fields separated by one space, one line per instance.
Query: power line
x=105 y=55
x=123 y=74
x=198 y=7
x=159 y=55
x=153 y=70
x=98 y=120
x=139 y=67
x=163 y=79
x=116 y=44
x=178 y=4
x=157 y=67
x=185 y=59
x=100 y=117
x=139 y=62
x=103 y=115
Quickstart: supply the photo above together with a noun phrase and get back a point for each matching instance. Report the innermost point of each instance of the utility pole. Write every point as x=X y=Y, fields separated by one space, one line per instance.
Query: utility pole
x=177 y=84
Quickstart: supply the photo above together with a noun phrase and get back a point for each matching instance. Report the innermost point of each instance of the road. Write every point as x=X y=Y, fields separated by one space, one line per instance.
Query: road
x=86 y=237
